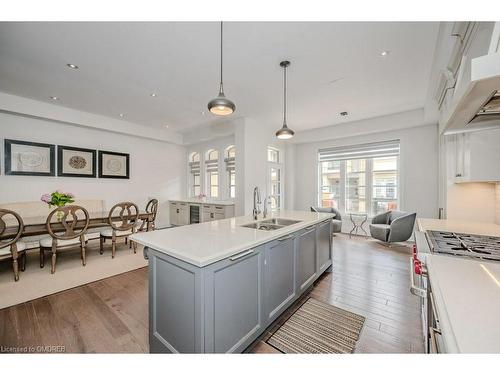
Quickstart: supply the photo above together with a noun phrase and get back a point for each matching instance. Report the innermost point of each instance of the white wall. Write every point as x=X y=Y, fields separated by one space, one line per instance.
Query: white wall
x=253 y=138
x=157 y=169
x=473 y=201
x=418 y=167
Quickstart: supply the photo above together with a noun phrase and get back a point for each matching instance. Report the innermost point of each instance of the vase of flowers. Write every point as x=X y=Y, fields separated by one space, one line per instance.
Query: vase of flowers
x=58 y=199
x=203 y=197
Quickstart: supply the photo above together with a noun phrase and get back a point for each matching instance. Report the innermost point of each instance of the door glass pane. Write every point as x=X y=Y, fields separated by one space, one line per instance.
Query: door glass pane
x=330 y=184
x=272 y=155
x=384 y=180
x=355 y=185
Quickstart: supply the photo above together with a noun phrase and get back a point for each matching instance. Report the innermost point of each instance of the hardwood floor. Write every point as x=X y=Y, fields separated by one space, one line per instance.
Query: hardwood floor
x=111 y=315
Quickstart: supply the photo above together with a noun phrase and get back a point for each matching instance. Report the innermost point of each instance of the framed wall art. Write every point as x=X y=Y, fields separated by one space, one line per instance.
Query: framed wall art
x=114 y=165
x=76 y=162
x=29 y=158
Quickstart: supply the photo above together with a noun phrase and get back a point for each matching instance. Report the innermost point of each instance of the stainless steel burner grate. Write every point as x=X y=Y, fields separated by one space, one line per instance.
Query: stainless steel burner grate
x=462 y=244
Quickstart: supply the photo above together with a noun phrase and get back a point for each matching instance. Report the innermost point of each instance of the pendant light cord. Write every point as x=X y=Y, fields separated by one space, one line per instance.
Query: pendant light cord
x=221 y=89
x=284 y=96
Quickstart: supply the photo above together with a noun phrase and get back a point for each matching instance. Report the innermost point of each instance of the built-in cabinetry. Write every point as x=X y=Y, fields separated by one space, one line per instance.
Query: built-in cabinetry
x=226 y=305
x=473 y=156
x=181 y=212
x=212 y=212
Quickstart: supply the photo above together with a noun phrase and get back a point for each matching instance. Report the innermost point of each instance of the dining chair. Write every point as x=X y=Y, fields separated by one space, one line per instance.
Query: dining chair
x=128 y=214
x=12 y=248
x=149 y=223
x=69 y=230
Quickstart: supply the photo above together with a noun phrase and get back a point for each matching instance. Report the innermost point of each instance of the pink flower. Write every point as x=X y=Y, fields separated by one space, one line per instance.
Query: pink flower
x=46 y=198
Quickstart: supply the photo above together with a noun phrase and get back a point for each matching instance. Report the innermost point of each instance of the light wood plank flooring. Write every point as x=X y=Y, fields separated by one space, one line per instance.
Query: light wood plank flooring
x=111 y=315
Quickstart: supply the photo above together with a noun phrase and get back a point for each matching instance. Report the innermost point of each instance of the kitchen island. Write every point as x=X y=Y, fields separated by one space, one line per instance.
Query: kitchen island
x=214 y=287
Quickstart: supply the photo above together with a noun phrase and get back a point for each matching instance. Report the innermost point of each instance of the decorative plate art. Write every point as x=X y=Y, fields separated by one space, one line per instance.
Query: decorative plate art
x=113 y=164
x=29 y=158
x=76 y=162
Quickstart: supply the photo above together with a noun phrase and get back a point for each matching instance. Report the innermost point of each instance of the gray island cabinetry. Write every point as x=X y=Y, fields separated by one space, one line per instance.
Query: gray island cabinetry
x=222 y=307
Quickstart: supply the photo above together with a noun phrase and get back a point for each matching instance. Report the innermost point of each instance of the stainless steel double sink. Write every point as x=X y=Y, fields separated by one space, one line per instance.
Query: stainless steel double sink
x=271 y=224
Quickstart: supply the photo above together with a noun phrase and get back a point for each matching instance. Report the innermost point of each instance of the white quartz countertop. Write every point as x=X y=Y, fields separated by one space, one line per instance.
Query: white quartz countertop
x=459 y=226
x=206 y=243
x=204 y=201
x=467 y=296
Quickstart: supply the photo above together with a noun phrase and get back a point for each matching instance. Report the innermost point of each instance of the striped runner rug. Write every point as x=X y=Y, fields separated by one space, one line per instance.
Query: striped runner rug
x=318 y=327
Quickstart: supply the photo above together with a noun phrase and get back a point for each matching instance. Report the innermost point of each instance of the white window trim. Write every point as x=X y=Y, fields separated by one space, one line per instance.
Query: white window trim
x=280 y=166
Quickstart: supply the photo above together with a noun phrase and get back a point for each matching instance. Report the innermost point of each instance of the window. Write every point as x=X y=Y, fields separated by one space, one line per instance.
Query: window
x=274 y=179
x=212 y=170
x=231 y=170
x=194 y=168
x=384 y=183
x=330 y=184
x=359 y=179
x=273 y=155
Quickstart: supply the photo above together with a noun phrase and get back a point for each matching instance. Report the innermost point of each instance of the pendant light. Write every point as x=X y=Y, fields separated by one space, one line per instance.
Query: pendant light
x=285 y=132
x=221 y=106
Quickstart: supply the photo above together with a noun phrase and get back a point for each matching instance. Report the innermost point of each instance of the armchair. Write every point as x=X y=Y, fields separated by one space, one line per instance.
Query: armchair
x=337 y=220
x=393 y=226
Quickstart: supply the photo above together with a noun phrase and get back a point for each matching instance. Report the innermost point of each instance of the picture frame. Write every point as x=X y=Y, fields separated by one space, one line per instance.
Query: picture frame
x=76 y=162
x=24 y=158
x=114 y=165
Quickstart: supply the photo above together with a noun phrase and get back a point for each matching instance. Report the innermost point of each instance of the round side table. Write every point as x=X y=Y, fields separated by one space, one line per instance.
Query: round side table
x=357 y=220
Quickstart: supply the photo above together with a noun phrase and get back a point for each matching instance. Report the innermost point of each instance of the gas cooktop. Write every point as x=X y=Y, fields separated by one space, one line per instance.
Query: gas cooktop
x=461 y=244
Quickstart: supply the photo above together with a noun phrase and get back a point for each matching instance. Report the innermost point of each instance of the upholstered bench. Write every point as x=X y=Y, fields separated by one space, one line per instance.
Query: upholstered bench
x=39 y=209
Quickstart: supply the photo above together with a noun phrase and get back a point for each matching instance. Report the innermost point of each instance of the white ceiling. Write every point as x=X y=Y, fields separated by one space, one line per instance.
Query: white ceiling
x=336 y=66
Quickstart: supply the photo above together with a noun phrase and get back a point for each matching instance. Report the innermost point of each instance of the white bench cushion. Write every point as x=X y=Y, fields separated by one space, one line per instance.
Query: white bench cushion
x=6 y=250
x=38 y=208
x=108 y=232
x=47 y=242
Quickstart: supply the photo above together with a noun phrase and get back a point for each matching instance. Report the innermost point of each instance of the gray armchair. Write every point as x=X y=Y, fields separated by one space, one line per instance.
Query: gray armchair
x=393 y=226
x=337 y=220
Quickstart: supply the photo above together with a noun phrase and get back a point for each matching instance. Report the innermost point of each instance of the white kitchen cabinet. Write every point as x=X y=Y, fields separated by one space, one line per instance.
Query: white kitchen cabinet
x=474 y=156
x=180 y=212
x=216 y=212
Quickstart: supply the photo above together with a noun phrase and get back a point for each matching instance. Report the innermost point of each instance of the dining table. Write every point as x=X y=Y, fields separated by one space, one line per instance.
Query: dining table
x=36 y=225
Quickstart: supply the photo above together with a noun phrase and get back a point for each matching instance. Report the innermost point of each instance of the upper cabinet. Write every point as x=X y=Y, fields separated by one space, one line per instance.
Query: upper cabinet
x=473 y=157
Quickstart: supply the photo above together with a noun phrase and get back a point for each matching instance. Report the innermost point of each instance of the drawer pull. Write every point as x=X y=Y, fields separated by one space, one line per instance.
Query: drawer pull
x=241 y=255
x=311 y=227
x=285 y=238
x=218 y=207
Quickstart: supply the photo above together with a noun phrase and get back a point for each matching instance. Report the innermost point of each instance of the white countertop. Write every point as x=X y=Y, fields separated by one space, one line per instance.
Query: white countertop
x=206 y=243
x=467 y=296
x=204 y=201
x=459 y=226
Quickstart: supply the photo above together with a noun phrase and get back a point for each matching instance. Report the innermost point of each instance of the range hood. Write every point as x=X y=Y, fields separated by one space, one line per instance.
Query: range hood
x=477 y=102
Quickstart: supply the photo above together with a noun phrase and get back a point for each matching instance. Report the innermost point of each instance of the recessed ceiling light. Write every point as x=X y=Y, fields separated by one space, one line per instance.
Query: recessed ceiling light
x=166 y=126
x=72 y=66
x=384 y=53
x=122 y=115
x=54 y=98
x=344 y=113
x=154 y=95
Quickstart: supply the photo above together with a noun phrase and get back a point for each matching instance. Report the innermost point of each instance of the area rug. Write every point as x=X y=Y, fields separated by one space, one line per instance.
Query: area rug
x=318 y=327
x=38 y=282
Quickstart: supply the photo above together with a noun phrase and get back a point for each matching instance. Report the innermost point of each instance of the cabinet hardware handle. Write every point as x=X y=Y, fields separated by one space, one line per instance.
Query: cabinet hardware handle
x=311 y=227
x=239 y=256
x=432 y=333
x=434 y=312
x=285 y=238
x=219 y=208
